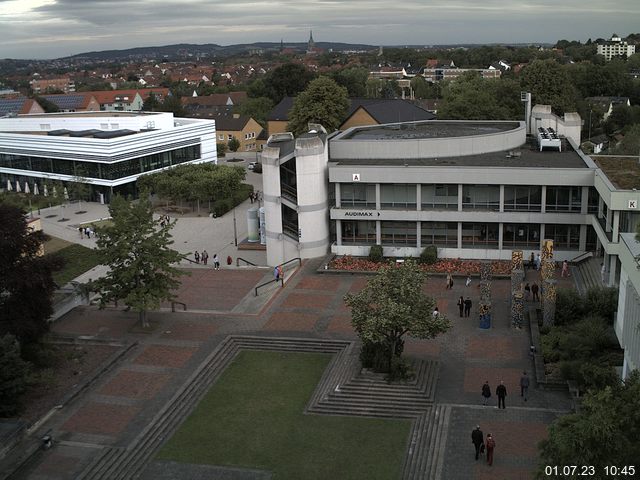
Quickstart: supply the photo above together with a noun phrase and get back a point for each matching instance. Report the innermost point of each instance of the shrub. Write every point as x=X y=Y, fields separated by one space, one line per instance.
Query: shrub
x=375 y=253
x=222 y=206
x=221 y=149
x=429 y=255
x=603 y=302
x=569 y=307
x=596 y=376
x=375 y=355
x=14 y=374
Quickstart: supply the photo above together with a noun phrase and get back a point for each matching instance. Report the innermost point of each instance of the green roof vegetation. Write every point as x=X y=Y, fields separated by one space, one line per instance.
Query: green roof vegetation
x=623 y=172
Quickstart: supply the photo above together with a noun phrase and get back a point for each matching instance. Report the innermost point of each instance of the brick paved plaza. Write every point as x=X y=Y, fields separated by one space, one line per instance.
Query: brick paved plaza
x=120 y=404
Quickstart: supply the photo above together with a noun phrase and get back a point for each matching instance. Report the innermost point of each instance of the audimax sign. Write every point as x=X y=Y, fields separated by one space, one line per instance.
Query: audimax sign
x=361 y=213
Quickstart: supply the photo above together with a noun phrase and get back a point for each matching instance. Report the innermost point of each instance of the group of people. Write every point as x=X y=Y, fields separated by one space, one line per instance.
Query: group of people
x=254 y=196
x=532 y=289
x=85 y=232
x=464 y=306
x=164 y=220
x=477 y=438
x=204 y=258
x=501 y=391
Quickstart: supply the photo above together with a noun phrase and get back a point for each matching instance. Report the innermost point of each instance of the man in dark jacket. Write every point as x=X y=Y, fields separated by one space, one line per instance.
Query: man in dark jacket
x=467 y=307
x=501 y=392
x=477 y=438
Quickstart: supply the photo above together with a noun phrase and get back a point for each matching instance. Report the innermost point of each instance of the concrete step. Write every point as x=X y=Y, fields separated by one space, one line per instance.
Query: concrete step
x=365 y=412
x=416 y=437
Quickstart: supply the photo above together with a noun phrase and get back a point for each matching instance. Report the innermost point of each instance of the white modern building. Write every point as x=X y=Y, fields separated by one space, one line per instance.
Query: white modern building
x=615 y=47
x=627 y=323
x=107 y=150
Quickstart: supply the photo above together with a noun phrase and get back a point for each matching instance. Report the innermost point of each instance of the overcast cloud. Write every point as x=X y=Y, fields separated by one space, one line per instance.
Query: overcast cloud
x=56 y=28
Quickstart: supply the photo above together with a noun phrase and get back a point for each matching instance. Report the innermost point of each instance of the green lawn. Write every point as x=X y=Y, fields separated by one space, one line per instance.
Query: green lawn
x=77 y=260
x=253 y=417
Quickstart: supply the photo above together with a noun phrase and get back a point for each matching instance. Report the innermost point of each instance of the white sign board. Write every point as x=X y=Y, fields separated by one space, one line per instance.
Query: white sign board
x=356 y=177
x=633 y=204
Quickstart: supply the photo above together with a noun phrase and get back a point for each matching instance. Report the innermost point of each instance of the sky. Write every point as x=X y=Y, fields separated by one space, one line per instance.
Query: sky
x=56 y=28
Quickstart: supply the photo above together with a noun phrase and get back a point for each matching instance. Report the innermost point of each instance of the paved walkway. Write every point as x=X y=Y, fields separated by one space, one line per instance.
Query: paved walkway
x=117 y=407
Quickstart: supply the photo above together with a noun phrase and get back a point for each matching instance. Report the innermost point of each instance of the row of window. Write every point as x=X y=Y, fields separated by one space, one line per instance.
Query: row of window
x=474 y=235
x=474 y=197
x=106 y=171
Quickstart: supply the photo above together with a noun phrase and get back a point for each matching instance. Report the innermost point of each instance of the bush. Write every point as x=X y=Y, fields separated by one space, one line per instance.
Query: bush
x=14 y=375
x=222 y=206
x=602 y=302
x=569 y=307
x=221 y=149
x=375 y=253
x=429 y=255
x=581 y=341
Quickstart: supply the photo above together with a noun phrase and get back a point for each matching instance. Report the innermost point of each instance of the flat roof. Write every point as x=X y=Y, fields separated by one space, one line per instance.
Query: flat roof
x=429 y=129
x=623 y=172
x=88 y=114
x=525 y=157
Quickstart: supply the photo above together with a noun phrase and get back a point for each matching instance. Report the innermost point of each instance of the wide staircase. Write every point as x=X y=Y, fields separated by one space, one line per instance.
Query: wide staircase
x=343 y=390
x=587 y=274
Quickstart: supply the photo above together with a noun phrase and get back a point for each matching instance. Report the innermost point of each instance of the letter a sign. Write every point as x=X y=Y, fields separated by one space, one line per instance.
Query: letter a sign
x=356 y=177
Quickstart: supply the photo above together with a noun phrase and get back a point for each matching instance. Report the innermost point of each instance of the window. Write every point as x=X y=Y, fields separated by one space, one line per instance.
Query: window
x=565 y=237
x=443 y=234
x=358 y=232
x=594 y=200
x=401 y=234
x=221 y=136
x=516 y=235
x=45 y=126
x=480 y=235
x=564 y=199
x=439 y=197
x=229 y=137
x=522 y=198
x=398 y=196
x=115 y=126
x=481 y=197
x=361 y=195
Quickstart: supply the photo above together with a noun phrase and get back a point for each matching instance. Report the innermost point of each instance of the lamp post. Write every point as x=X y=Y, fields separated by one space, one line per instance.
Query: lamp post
x=590 y=111
x=235 y=229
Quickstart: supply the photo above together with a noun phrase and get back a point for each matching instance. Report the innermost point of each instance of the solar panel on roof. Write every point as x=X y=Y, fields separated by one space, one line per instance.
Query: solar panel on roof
x=66 y=102
x=84 y=133
x=113 y=133
x=11 y=105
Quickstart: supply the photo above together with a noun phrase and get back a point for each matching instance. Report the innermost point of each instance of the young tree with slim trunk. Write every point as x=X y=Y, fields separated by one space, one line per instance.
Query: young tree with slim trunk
x=392 y=305
x=142 y=271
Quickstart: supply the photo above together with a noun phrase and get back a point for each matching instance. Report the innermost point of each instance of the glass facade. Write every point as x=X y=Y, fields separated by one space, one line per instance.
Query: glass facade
x=522 y=198
x=520 y=235
x=594 y=199
x=101 y=170
x=399 y=234
x=440 y=234
x=565 y=237
x=481 y=197
x=358 y=232
x=480 y=235
x=439 y=197
x=564 y=199
x=288 y=180
x=359 y=195
x=400 y=196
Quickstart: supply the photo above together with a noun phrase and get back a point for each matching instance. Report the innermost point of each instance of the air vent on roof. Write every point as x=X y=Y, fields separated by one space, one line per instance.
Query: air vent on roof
x=548 y=138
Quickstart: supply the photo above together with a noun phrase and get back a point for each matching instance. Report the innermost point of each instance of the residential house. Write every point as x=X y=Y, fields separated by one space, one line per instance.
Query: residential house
x=244 y=128
x=127 y=100
x=615 y=47
x=74 y=102
x=43 y=85
x=607 y=104
x=439 y=74
x=216 y=100
x=19 y=106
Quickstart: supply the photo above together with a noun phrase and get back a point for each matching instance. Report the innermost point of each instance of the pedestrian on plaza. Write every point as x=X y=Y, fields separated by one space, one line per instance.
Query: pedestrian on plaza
x=501 y=392
x=490 y=444
x=477 y=438
x=527 y=292
x=251 y=196
x=565 y=269
x=486 y=392
x=467 y=307
x=468 y=282
x=461 y=305
x=205 y=257
x=88 y=232
x=216 y=262
x=538 y=262
x=532 y=260
x=524 y=385
x=449 y=281
x=81 y=230
x=280 y=272
x=196 y=255
x=603 y=273
x=276 y=273
x=534 y=292
x=436 y=312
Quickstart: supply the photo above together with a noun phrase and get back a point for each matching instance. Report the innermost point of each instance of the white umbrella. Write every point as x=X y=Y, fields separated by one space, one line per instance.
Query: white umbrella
x=26 y=188
x=46 y=190
x=55 y=193
x=18 y=189
x=66 y=194
x=35 y=189
x=9 y=186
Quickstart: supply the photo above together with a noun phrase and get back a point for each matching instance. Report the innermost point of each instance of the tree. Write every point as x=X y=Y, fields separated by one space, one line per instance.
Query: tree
x=630 y=144
x=26 y=282
x=151 y=103
x=173 y=104
x=354 y=79
x=47 y=105
x=136 y=248
x=549 y=84
x=287 y=81
x=234 y=144
x=257 y=108
x=391 y=305
x=14 y=373
x=323 y=102
x=604 y=432
x=221 y=149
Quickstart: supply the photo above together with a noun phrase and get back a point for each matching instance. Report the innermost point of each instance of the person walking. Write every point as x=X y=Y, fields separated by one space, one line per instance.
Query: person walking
x=461 y=305
x=467 y=307
x=565 y=269
x=81 y=230
x=538 y=262
x=449 y=282
x=501 y=392
x=486 y=392
x=205 y=257
x=196 y=255
x=524 y=385
x=490 y=444
x=436 y=312
x=603 y=273
x=276 y=273
x=477 y=438
x=532 y=260
x=216 y=262
x=527 y=292
x=280 y=272
x=534 y=292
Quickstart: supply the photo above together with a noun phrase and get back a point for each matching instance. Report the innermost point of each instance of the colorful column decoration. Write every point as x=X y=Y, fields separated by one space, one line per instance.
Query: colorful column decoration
x=517 y=309
x=549 y=302
x=485 y=295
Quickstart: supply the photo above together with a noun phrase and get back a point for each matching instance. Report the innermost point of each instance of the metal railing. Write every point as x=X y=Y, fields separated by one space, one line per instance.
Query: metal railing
x=281 y=279
x=174 y=303
x=245 y=261
x=581 y=258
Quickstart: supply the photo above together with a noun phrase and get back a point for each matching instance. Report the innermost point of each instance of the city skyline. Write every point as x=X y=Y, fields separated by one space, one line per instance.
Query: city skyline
x=42 y=29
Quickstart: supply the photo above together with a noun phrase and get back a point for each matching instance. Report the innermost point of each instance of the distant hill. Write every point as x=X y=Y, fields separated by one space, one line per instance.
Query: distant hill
x=208 y=49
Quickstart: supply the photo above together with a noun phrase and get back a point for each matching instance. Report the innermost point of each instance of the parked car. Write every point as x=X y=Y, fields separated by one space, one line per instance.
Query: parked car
x=252 y=165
